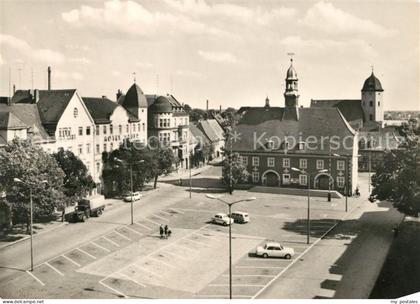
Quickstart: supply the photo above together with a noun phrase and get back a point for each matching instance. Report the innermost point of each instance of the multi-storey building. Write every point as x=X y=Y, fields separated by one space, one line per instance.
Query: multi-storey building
x=292 y=146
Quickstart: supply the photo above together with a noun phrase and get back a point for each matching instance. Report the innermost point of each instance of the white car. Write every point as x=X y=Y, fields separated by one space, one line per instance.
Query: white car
x=135 y=197
x=273 y=249
x=222 y=219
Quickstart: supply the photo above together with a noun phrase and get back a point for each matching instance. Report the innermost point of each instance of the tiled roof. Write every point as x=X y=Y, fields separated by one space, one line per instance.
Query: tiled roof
x=8 y=121
x=350 y=108
x=211 y=129
x=259 y=124
x=199 y=135
x=100 y=109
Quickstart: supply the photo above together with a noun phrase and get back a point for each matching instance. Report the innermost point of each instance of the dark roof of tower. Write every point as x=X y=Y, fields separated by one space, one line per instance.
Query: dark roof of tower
x=134 y=98
x=161 y=105
x=372 y=84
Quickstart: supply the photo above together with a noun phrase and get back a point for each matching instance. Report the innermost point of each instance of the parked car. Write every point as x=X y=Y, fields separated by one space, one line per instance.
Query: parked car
x=222 y=219
x=135 y=197
x=273 y=249
x=240 y=217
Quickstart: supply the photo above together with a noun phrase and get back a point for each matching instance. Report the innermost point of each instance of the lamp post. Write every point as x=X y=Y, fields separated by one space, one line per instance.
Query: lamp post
x=230 y=232
x=330 y=173
x=18 y=180
x=131 y=184
x=308 y=221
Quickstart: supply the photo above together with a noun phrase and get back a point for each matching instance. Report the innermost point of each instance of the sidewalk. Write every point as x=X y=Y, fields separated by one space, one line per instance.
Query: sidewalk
x=347 y=262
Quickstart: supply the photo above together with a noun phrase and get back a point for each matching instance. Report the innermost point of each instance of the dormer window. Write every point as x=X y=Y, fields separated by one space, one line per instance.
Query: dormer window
x=302 y=145
x=270 y=144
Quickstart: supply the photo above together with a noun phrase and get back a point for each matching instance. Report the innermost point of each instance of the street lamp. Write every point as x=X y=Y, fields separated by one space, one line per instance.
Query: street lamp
x=308 y=222
x=18 y=180
x=131 y=183
x=230 y=232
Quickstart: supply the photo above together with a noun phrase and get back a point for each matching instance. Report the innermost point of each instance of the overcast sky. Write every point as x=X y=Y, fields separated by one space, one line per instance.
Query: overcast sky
x=233 y=53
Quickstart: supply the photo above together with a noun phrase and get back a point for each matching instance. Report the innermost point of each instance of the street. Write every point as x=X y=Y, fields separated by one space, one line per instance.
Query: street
x=106 y=257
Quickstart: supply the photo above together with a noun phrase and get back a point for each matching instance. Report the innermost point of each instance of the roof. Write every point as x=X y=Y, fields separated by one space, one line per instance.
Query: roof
x=291 y=72
x=51 y=104
x=160 y=105
x=259 y=124
x=134 y=98
x=165 y=104
x=382 y=139
x=350 y=108
x=199 y=135
x=372 y=84
x=9 y=121
x=100 y=109
x=211 y=129
x=28 y=113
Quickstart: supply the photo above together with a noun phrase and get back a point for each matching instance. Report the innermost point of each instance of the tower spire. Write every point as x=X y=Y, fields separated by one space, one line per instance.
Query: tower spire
x=134 y=77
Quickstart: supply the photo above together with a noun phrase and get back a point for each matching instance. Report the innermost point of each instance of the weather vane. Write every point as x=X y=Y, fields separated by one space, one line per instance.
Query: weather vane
x=291 y=55
x=134 y=77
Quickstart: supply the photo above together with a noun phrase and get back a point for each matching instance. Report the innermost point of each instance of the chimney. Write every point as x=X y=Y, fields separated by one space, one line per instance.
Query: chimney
x=267 y=102
x=14 y=89
x=119 y=94
x=49 y=78
x=35 y=96
x=220 y=109
x=207 y=105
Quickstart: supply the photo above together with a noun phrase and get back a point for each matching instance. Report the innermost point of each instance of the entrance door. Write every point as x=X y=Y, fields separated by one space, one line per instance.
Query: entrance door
x=323 y=182
x=286 y=179
x=272 y=179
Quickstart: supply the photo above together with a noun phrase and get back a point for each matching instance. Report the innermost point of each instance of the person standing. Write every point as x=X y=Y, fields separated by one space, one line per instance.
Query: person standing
x=166 y=231
x=161 y=231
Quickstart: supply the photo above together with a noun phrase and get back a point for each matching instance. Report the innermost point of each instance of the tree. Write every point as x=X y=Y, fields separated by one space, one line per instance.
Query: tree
x=397 y=178
x=164 y=160
x=197 y=115
x=77 y=180
x=20 y=159
x=234 y=171
x=231 y=116
x=187 y=108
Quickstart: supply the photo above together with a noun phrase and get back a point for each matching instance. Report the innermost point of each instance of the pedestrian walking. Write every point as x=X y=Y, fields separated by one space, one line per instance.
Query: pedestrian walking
x=161 y=231
x=166 y=231
x=169 y=233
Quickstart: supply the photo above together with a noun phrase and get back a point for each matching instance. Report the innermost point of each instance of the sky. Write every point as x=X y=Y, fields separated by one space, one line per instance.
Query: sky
x=233 y=53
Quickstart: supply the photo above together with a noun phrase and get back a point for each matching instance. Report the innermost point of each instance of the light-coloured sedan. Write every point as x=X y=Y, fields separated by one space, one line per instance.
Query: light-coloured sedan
x=273 y=249
x=135 y=197
x=222 y=219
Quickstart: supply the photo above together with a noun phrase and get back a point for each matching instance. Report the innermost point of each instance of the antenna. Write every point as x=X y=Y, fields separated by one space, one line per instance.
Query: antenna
x=372 y=67
x=291 y=54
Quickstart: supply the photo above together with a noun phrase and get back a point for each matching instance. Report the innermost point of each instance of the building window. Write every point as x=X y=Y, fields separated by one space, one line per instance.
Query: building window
x=80 y=149
x=120 y=129
x=303 y=163
x=371 y=103
x=303 y=179
x=80 y=131
x=87 y=148
x=255 y=161
x=111 y=147
x=286 y=162
x=340 y=182
x=270 y=144
x=97 y=130
x=75 y=112
x=87 y=130
x=319 y=164
x=104 y=147
x=270 y=162
x=111 y=129
x=245 y=160
x=144 y=126
x=255 y=177
x=98 y=165
x=370 y=117
x=379 y=103
x=340 y=165
x=127 y=127
x=301 y=146
x=98 y=149
x=104 y=129
x=286 y=179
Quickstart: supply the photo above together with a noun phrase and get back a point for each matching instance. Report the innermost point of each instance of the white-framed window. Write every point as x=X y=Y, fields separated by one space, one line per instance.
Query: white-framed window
x=340 y=181
x=255 y=161
x=303 y=179
x=105 y=147
x=97 y=130
x=104 y=129
x=80 y=149
x=270 y=144
x=87 y=130
x=80 y=131
x=303 y=163
x=255 y=177
x=98 y=149
x=302 y=145
x=340 y=164
x=111 y=129
x=98 y=165
x=270 y=162
x=120 y=129
x=87 y=148
x=144 y=126
x=319 y=164
x=286 y=162
x=127 y=128
x=245 y=160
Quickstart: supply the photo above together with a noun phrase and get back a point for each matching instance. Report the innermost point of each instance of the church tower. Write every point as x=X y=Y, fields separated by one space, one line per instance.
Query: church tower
x=372 y=100
x=291 y=93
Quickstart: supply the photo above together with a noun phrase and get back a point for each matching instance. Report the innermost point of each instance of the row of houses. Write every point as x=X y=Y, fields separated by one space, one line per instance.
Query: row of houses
x=89 y=126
